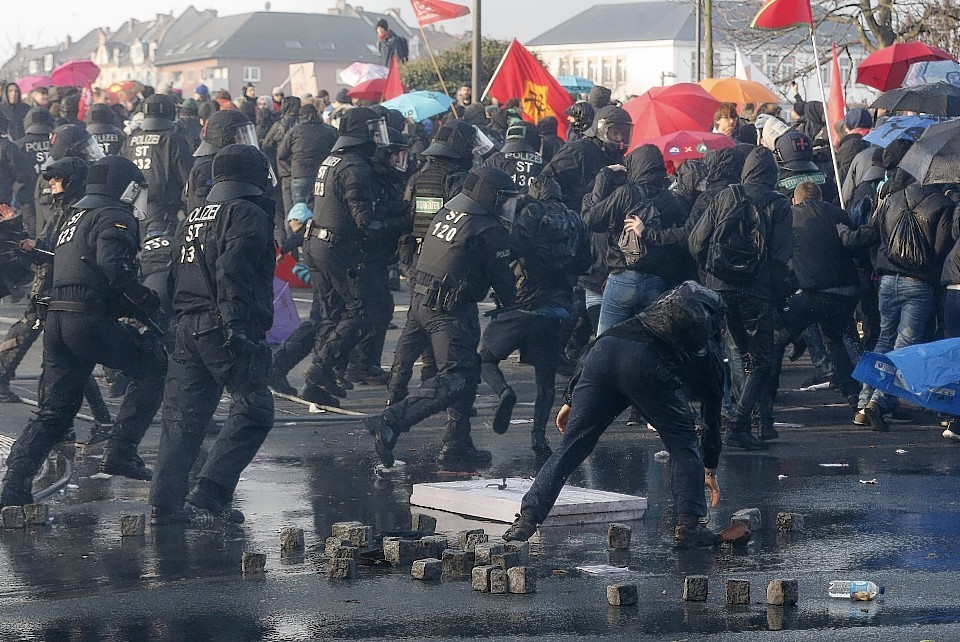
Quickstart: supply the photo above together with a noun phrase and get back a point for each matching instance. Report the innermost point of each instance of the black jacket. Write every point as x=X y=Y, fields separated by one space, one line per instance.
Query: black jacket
x=15 y=169
x=305 y=146
x=951 y=265
x=165 y=158
x=819 y=259
x=388 y=48
x=575 y=167
x=551 y=141
x=346 y=199
x=109 y=137
x=848 y=148
x=15 y=112
x=758 y=179
x=191 y=129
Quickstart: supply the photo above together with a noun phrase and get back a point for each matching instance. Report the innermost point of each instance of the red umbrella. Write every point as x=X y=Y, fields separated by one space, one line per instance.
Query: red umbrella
x=886 y=68
x=29 y=83
x=684 y=145
x=665 y=110
x=371 y=90
x=75 y=73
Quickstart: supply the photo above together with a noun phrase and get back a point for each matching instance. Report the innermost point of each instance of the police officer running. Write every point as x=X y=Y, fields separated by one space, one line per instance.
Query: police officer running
x=94 y=284
x=223 y=298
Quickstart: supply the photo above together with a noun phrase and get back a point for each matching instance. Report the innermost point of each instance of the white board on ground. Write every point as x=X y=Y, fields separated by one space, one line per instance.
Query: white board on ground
x=482 y=498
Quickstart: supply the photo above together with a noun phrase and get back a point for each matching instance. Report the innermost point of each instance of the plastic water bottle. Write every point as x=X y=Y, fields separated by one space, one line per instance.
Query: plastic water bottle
x=854 y=590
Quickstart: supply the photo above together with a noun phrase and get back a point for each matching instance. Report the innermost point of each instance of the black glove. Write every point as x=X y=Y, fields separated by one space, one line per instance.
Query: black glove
x=237 y=342
x=148 y=303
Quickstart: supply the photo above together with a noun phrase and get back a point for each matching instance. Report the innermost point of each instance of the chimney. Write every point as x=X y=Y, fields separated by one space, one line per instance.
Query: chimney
x=131 y=23
x=67 y=42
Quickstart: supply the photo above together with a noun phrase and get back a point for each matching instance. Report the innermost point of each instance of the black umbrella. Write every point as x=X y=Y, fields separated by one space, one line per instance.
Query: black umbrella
x=939 y=98
x=935 y=157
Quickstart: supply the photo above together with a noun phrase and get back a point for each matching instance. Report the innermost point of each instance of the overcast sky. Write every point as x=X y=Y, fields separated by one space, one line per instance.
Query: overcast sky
x=49 y=21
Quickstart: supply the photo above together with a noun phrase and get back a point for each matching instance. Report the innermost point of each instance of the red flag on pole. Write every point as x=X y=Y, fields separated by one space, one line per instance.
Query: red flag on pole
x=781 y=14
x=520 y=75
x=430 y=11
x=393 y=86
x=837 y=104
x=86 y=99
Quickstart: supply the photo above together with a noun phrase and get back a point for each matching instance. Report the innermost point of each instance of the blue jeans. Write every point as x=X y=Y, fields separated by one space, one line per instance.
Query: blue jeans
x=300 y=189
x=906 y=309
x=626 y=294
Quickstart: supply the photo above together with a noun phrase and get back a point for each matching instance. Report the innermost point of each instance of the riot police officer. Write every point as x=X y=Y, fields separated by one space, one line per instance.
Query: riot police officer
x=344 y=216
x=520 y=155
x=66 y=141
x=94 y=284
x=35 y=144
x=221 y=325
x=101 y=123
x=466 y=250
x=223 y=128
x=15 y=169
x=163 y=155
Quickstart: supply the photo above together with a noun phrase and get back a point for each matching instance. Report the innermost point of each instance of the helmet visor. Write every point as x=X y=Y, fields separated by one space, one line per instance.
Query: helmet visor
x=378 y=131
x=615 y=133
x=399 y=159
x=247 y=135
x=482 y=145
x=136 y=195
x=90 y=150
x=508 y=202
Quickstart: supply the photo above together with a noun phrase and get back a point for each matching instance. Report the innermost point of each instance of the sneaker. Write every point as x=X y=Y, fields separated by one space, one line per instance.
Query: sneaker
x=279 y=383
x=745 y=440
x=696 y=536
x=768 y=432
x=468 y=456
x=875 y=418
x=124 y=464
x=949 y=434
x=319 y=396
x=6 y=394
x=860 y=419
x=521 y=530
x=209 y=510
x=385 y=437
x=504 y=411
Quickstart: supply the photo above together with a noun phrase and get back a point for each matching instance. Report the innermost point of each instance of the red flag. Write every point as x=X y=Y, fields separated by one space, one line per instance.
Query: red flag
x=393 y=86
x=520 y=75
x=430 y=11
x=86 y=99
x=837 y=104
x=781 y=14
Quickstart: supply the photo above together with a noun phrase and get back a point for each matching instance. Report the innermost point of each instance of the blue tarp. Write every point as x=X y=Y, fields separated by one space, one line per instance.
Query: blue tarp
x=927 y=375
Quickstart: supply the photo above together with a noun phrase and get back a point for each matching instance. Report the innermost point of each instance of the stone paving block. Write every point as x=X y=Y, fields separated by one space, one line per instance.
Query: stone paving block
x=399 y=552
x=37 y=514
x=789 y=522
x=622 y=595
x=618 y=558
x=522 y=549
x=358 y=534
x=13 y=517
x=424 y=524
x=464 y=536
x=505 y=560
x=347 y=553
x=291 y=539
x=783 y=592
x=457 y=563
x=427 y=569
x=522 y=579
x=253 y=563
x=695 y=588
x=132 y=525
x=738 y=592
x=486 y=550
x=499 y=582
x=481 y=578
x=472 y=539
x=432 y=546
x=618 y=536
x=331 y=544
x=749 y=516
x=341 y=568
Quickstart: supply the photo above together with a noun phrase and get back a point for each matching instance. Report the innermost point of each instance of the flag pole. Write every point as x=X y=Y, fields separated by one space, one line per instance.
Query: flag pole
x=497 y=70
x=436 y=68
x=829 y=126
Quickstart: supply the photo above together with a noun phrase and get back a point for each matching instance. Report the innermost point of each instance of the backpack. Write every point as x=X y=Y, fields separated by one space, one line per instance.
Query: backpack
x=634 y=250
x=907 y=247
x=738 y=245
x=559 y=236
x=401 y=48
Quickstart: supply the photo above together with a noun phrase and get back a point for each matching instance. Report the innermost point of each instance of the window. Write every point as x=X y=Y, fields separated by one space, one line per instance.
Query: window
x=622 y=70
x=563 y=67
x=48 y=62
x=190 y=73
x=579 y=66
x=607 y=71
x=251 y=74
x=33 y=66
x=591 y=70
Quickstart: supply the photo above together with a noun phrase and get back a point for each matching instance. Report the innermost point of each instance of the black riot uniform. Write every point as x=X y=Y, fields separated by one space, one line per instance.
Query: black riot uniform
x=15 y=169
x=223 y=299
x=465 y=252
x=223 y=128
x=101 y=123
x=345 y=216
x=35 y=144
x=66 y=141
x=520 y=156
x=164 y=156
x=94 y=284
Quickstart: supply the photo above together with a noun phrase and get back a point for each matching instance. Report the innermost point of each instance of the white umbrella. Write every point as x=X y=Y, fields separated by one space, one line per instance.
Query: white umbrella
x=359 y=72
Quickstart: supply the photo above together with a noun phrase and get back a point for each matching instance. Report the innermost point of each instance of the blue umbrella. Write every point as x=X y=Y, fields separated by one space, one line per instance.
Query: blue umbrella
x=575 y=84
x=420 y=105
x=927 y=375
x=893 y=127
x=931 y=71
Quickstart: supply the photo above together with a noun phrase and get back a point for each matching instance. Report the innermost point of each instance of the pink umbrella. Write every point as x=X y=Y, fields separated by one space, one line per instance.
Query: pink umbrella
x=75 y=73
x=684 y=145
x=29 y=83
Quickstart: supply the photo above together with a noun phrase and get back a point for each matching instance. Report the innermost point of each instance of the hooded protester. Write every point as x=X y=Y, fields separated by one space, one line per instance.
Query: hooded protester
x=14 y=109
x=857 y=123
x=69 y=111
x=304 y=147
x=101 y=124
x=599 y=97
x=290 y=114
x=188 y=122
x=580 y=116
x=552 y=143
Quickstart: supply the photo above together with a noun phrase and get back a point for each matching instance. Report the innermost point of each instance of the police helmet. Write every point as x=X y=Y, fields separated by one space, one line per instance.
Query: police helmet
x=115 y=181
x=393 y=117
x=159 y=112
x=396 y=144
x=455 y=140
x=523 y=137
x=582 y=114
x=238 y=171
x=486 y=190
x=74 y=140
x=100 y=114
x=794 y=152
x=358 y=126
x=70 y=170
x=38 y=121
x=224 y=128
x=613 y=127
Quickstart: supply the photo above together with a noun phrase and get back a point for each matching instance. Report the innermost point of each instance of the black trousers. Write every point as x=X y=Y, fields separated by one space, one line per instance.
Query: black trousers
x=750 y=322
x=200 y=369
x=378 y=312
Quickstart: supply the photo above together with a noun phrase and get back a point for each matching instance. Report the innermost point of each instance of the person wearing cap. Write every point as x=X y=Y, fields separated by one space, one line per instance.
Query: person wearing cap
x=94 y=285
x=857 y=123
x=188 y=122
x=222 y=284
x=101 y=123
x=35 y=145
x=201 y=93
x=389 y=44
x=164 y=156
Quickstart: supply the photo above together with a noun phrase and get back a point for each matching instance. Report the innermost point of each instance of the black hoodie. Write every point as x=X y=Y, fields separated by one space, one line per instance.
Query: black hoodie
x=551 y=141
x=306 y=145
x=15 y=111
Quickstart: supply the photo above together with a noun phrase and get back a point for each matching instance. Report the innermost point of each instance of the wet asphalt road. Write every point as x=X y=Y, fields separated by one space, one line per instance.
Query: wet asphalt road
x=77 y=580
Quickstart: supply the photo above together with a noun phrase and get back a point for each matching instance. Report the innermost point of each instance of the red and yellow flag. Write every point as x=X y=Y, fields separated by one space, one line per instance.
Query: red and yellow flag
x=782 y=14
x=520 y=75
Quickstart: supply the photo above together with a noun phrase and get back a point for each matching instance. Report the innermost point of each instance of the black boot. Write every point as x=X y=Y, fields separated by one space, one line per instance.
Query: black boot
x=318 y=395
x=463 y=455
x=504 y=411
x=121 y=458
x=279 y=383
x=17 y=490
x=521 y=530
x=386 y=438
x=6 y=394
x=540 y=444
x=212 y=503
